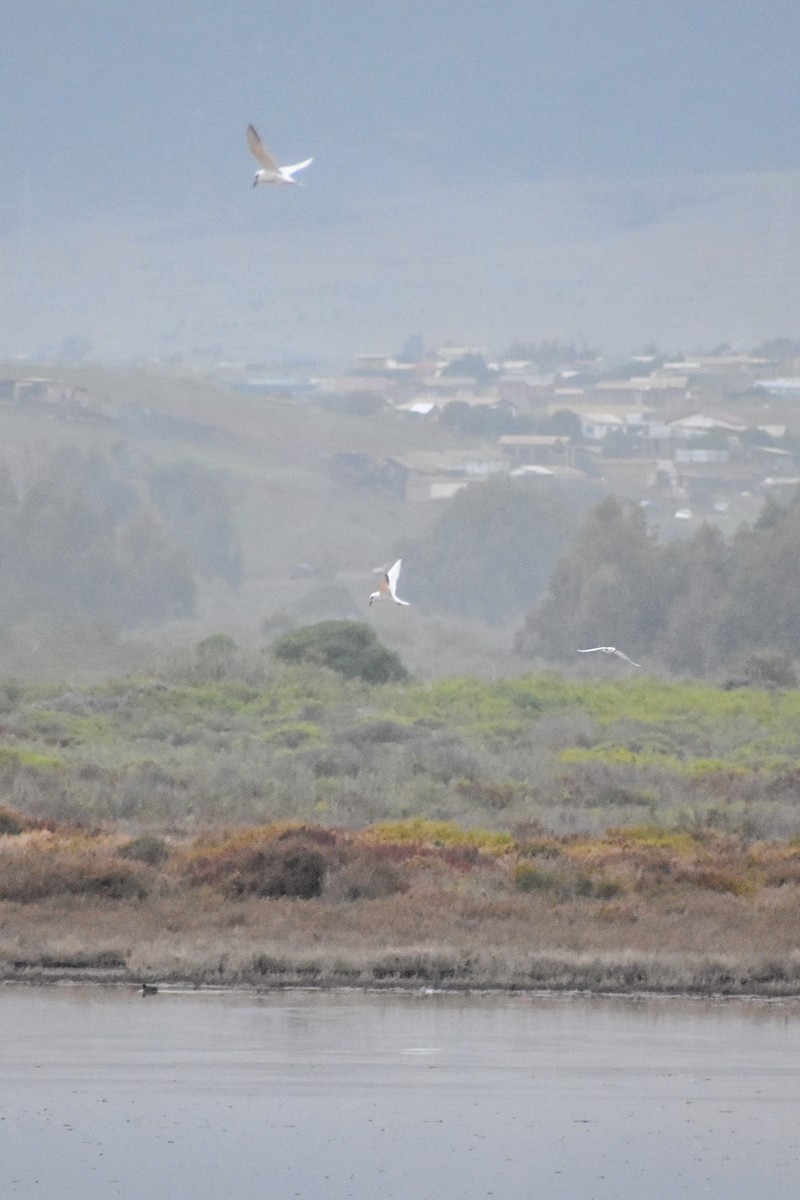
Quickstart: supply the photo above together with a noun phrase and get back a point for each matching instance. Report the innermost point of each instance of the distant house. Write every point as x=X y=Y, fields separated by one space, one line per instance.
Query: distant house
x=700 y=423
x=520 y=385
x=35 y=391
x=348 y=385
x=418 y=408
x=438 y=475
x=597 y=425
x=369 y=473
x=374 y=362
x=701 y=455
x=776 y=483
x=780 y=387
x=654 y=390
x=40 y=390
x=536 y=449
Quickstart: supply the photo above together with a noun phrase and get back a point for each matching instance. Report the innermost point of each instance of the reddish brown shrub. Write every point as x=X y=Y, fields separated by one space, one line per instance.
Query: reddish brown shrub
x=289 y=865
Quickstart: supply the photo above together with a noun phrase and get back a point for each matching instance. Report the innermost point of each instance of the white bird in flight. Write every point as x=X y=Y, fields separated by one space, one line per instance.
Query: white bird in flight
x=609 y=650
x=269 y=171
x=387 y=586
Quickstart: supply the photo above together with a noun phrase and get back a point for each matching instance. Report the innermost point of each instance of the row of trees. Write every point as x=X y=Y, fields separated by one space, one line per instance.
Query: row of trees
x=695 y=606
x=97 y=535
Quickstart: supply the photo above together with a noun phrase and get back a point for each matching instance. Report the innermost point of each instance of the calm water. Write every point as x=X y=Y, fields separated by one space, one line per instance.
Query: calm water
x=191 y=1096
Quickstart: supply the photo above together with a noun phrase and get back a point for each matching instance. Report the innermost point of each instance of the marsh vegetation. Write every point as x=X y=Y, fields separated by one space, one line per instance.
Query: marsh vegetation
x=271 y=823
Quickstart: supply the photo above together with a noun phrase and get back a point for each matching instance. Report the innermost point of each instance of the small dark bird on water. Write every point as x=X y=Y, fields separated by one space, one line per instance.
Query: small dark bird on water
x=149 y=989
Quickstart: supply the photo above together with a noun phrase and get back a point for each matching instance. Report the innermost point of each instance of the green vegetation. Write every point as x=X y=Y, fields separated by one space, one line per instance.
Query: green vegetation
x=349 y=647
x=275 y=823
x=490 y=553
x=220 y=738
x=697 y=606
x=85 y=540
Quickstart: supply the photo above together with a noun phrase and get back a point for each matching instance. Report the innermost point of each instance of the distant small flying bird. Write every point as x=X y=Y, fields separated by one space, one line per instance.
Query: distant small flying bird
x=386 y=587
x=270 y=172
x=609 y=650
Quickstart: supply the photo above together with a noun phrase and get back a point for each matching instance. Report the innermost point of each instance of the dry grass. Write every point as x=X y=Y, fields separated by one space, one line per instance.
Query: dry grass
x=639 y=908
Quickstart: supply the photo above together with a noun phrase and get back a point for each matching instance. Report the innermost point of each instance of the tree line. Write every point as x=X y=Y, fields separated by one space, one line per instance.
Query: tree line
x=695 y=606
x=101 y=536
x=595 y=575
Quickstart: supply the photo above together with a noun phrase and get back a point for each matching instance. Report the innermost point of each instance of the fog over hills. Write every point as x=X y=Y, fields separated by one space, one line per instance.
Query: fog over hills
x=687 y=262
x=484 y=173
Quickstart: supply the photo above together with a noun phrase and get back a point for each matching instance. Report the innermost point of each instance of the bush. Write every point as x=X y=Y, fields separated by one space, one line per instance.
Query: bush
x=291 y=865
x=215 y=656
x=146 y=849
x=38 y=874
x=768 y=670
x=349 y=647
x=537 y=879
x=10 y=821
x=282 y=871
x=365 y=879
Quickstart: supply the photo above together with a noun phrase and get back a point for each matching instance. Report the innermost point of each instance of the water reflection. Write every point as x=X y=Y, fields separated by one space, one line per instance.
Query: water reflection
x=194 y=1095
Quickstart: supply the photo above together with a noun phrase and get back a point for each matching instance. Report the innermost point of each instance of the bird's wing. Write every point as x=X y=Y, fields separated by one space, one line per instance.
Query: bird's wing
x=591 y=650
x=630 y=660
x=259 y=150
x=392 y=575
x=296 y=167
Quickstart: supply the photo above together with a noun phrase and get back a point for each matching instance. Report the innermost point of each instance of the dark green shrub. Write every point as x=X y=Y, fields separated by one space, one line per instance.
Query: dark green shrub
x=607 y=889
x=111 y=883
x=10 y=821
x=768 y=669
x=215 y=656
x=146 y=849
x=349 y=647
x=528 y=878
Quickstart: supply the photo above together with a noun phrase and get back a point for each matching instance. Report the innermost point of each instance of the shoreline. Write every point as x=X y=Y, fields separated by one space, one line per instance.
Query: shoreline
x=725 y=983
x=404 y=907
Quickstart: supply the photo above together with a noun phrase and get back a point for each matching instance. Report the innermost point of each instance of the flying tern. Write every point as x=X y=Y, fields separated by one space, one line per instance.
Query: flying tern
x=609 y=650
x=386 y=587
x=270 y=172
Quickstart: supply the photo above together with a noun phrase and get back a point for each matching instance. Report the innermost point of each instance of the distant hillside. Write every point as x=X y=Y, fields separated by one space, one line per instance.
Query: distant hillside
x=306 y=538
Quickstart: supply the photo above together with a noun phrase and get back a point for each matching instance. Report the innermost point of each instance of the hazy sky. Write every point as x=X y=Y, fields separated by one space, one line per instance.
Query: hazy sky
x=127 y=112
